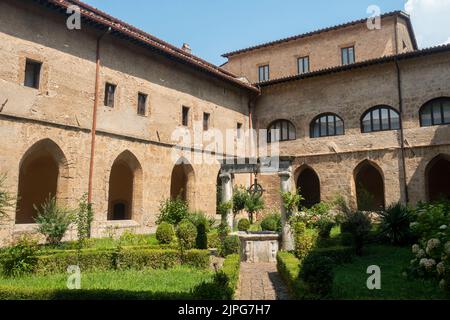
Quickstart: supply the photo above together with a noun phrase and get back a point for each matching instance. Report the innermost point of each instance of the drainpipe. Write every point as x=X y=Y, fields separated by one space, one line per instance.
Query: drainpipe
x=94 y=115
x=251 y=104
x=400 y=103
x=402 y=133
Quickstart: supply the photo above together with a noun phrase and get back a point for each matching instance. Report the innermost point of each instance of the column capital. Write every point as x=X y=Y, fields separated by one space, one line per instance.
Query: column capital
x=285 y=174
x=225 y=177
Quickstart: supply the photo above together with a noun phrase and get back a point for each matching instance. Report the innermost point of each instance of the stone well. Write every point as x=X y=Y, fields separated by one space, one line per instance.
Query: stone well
x=259 y=246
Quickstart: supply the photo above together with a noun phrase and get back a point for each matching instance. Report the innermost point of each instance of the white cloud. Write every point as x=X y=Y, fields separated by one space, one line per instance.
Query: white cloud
x=431 y=21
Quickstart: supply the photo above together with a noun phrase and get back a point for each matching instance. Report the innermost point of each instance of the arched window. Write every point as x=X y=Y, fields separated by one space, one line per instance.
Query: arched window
x=281 y=130
x=380 y=118
x=435 y=112
x=327 y=125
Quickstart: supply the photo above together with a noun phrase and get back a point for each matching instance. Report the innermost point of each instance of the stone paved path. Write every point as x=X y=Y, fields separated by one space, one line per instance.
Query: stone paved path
x=261 y=281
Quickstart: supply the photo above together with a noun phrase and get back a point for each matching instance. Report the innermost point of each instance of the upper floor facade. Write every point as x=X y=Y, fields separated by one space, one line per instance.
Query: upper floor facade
x=326 y=48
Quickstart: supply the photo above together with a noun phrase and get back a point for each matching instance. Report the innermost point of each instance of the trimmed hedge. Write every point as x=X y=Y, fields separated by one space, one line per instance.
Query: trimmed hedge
x=225 y=282
x=12 y=293
x=101 y=260
x=289 y=267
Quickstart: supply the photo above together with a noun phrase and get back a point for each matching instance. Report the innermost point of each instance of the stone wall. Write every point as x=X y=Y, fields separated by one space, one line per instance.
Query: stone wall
x=349 y=94
x=323 y=49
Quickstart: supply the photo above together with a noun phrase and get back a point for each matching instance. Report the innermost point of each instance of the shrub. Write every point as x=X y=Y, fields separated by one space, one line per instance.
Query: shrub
x=317 y=274
x=202 y=239
x=243 y=225
x=213 y=240
x=224 y=285
x=125 y=258
x=288 y=267
x=173 y=211
x=231 y=245
x=130 y=238
x=84 y=218
x=53 y=220
x=187 y=235
x=338 y=254
x=19 y=259
x=346 y=239
x=199 y=218
x=6 y=198
x=272 y=223
x=240 y=195
x=358 y=224
x=291 y=201
x=324 y=225
x=165 y=233
x=395 y=223
x=304 y=240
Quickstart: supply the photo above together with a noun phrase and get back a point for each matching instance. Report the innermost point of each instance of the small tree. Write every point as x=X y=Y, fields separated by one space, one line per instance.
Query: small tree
x=6 y=199
x=83 y=219
x=240 y=195
x=291 y=200
x=53 y=220
x=173 y=211
x=253 y=204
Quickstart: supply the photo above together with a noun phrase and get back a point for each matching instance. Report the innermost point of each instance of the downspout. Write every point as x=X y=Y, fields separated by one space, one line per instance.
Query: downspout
x=251 y=103
x=400 y=103
x=94 y=115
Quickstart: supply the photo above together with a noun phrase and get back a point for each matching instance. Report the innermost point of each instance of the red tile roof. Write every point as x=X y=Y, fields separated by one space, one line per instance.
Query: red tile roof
x=340 y=26
x=125 y=30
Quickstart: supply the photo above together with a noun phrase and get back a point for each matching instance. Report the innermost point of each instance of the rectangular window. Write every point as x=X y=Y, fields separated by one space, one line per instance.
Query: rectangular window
x=264 y=73
x=185 y=116
x=32 y=74
x=303 y=65
x=206 y=117
x=142 y=104
x=348 y=55
x=110 y=90
x=239 y=130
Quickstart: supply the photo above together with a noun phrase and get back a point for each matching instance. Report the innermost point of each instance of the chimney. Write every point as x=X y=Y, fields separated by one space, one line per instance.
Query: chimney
x=186 y=48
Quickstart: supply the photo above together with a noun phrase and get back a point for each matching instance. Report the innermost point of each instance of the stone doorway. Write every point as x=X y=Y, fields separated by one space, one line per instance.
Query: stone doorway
x=182 y=183
x=309 y=184
x=438 y=178
x=369 y=187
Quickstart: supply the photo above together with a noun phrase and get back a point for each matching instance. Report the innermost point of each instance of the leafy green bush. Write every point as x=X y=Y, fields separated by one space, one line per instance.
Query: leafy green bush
x=19 y=259
x=125 y=258
x=165 y=233
x=317 y=274
x=200 y=218
x=288 y=267
x=304 y=240
x=224 y=285
x=395 y=224
x=291 y=201
x=231 y=245
x=53 y=220
x=338 y=254
x=272 y=223
x=432 y=252
x=186 y=234
x=201 y=242
x=84 y=218
x=240 y=195
x=324 y=225
x=213 y=240
x=6 y=198
x=243 y=225
x=173 y=211
x=358 y=224
x=346 y=239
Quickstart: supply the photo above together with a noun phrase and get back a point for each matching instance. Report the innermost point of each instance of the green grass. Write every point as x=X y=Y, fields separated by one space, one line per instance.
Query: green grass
x=350 y=279
x=177 y=280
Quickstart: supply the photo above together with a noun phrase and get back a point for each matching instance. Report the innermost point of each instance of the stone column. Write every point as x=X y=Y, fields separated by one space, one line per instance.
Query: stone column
x=227 y=196
x=287 y=241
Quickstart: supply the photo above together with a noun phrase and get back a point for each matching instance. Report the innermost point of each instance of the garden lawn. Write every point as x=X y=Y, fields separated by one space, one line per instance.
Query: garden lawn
x=174 y=283
x=350 y=279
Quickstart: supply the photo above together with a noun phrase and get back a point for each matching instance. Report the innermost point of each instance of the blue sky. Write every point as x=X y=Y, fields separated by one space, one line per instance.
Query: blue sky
x=214 y=27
